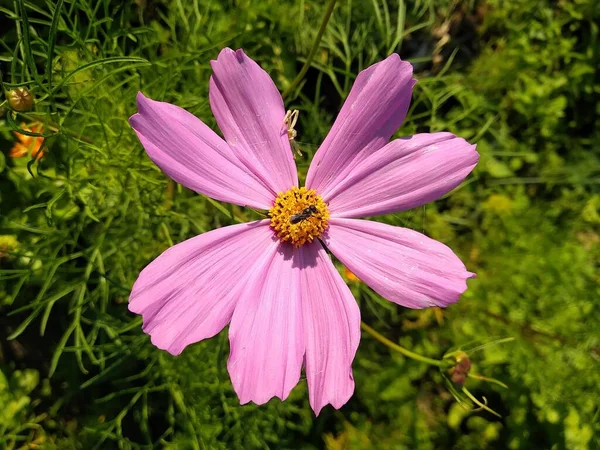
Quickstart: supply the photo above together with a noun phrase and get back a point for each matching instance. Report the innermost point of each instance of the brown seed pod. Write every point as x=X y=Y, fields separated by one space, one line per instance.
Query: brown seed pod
x=461 y=370
x=20 y=99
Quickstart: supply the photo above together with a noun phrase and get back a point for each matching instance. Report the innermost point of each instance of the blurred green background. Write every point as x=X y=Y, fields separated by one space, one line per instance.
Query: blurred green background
x=519 y=78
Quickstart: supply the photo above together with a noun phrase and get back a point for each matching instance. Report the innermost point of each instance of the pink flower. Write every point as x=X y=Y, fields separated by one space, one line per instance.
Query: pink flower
x=272 y=280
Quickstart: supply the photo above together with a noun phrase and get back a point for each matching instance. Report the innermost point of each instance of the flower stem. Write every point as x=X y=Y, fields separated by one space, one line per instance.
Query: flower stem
x=478 y=403
x=404 y=351
x=313 y=50
x=489 y=380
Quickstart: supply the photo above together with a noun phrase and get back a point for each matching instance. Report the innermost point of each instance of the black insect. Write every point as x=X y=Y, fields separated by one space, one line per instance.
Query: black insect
x=304 y=214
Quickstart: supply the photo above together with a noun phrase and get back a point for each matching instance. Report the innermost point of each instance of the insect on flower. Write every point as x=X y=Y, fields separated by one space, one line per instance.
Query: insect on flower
x=287 y=306
x=304 y=214
x=289 y=122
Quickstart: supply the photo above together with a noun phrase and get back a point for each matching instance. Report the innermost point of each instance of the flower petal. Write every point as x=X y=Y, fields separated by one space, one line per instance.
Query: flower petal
x=405 y=174
x=190 y=153
x=267 y=345
x=189 y=292
x=373 y=111
x=249 y=111
x=403 y=266
x=331 y=328
x=18 y=151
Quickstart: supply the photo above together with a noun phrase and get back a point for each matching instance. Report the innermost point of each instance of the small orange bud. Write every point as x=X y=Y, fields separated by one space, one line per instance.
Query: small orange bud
x=20 y=99
x=350 y=275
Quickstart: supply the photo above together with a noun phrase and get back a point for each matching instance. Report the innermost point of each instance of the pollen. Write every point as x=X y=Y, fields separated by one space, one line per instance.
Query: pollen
x=299 y=215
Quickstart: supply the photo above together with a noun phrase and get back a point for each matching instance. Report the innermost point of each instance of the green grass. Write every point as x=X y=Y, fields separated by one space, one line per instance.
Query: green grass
x=76 y=227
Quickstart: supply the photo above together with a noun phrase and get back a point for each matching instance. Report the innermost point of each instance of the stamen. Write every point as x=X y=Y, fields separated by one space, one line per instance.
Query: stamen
x=299 y=215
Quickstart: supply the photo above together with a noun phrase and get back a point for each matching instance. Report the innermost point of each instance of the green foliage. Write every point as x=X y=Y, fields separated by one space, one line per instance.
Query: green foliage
x=16 y=420
x=77 y=225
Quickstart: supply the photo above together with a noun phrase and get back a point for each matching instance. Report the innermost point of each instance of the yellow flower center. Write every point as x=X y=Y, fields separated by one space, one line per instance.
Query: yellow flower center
x=299 y=215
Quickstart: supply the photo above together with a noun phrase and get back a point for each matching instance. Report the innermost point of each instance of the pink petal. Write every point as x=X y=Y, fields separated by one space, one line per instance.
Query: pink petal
x=405 y=174
x=401 y=265
x=189 y=292
x=331 y=328
x=267 y=345
x=192 y=154
x=249 y=111
x=373 y=111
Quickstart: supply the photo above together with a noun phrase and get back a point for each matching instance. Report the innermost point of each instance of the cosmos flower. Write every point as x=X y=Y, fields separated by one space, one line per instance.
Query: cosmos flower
x=272 y=280
x=28 y=145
